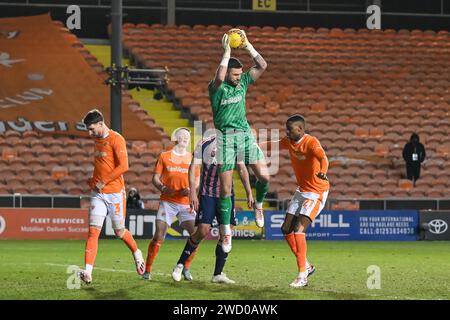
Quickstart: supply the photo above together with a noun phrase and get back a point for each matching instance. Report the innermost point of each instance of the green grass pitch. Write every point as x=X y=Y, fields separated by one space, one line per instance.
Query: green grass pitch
x=262 y=270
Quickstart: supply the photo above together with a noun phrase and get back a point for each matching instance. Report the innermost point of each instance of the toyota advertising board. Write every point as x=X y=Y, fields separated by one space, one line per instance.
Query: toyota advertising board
x=438 y=225
x=352 y=225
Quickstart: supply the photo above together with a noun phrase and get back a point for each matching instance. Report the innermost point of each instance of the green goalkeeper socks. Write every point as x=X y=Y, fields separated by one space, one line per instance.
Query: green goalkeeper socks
x=225 y=210
x=261 y=190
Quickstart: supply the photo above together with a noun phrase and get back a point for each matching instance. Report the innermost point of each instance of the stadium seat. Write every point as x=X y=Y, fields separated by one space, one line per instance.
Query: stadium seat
x=8 y=153
x=437 y=194
x=56 y=190
x=362 y=132
x=77 y=190
x=59 y=172
x=382 y=150
x=405 y=184
x=155 y=146
x=443 y=151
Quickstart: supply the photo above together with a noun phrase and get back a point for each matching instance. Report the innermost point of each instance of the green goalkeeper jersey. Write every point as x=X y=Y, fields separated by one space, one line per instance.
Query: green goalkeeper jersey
x=228 y=104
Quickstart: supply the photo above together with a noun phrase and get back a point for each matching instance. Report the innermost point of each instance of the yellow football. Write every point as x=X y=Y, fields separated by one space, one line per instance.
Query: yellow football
x=236 y=38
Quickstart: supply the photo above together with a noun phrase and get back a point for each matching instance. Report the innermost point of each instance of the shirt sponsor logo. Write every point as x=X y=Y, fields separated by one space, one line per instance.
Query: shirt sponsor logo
x=231 y=100
x=177 y=169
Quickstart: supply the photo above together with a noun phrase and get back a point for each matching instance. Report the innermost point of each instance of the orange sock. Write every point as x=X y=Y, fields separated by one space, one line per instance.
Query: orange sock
x=153 y=249
x=290 y=238
x=187 y=264
x=90 y=251
x=129 y=241
x=300 y=240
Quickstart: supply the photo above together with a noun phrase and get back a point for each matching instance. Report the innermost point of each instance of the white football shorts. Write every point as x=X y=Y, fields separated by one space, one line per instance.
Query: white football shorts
x=107 y=204
x=308 y=204
x=168 y=211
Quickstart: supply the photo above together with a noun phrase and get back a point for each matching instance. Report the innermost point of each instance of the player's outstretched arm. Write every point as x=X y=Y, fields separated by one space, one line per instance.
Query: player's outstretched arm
x=260 y=64
x=245 y=178
x=222 y=70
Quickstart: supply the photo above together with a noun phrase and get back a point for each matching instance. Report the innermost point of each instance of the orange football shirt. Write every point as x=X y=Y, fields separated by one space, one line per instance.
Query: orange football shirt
x=306 y=157
x=173 y=169
x=111 y=162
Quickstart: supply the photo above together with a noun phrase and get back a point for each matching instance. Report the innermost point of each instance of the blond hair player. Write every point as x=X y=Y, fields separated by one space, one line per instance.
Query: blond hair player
x=171 y=178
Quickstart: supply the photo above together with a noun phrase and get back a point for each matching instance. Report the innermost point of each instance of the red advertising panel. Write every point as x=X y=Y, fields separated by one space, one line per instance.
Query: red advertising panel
x=43 y=223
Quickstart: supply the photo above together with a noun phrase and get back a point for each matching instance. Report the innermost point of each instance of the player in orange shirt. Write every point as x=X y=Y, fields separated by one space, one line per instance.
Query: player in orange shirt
x=171 y=178
x=108 y=191
x=310 y=165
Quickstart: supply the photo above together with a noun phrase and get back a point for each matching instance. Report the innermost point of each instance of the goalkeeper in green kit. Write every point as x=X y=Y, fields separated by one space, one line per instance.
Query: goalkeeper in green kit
x=235 y=141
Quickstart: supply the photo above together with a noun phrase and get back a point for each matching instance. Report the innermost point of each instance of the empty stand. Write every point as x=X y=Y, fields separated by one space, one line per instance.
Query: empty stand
x=362 y=92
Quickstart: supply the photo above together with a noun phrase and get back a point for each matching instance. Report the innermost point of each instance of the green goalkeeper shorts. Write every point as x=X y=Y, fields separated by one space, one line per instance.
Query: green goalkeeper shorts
x=237 y=146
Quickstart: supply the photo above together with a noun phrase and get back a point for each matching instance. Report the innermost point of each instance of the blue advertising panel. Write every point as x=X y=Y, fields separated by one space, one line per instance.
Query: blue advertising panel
x=386 y=225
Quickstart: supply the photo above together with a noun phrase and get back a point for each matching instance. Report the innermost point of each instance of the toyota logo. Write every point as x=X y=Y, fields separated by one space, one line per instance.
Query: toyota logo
x=438 y=226
x=2 y=224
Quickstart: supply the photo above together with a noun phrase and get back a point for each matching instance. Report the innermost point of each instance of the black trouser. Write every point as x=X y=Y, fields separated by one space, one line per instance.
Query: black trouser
x=413 y=170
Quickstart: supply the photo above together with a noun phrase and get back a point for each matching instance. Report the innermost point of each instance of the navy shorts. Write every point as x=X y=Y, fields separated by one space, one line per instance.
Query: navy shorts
x=208 y=210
